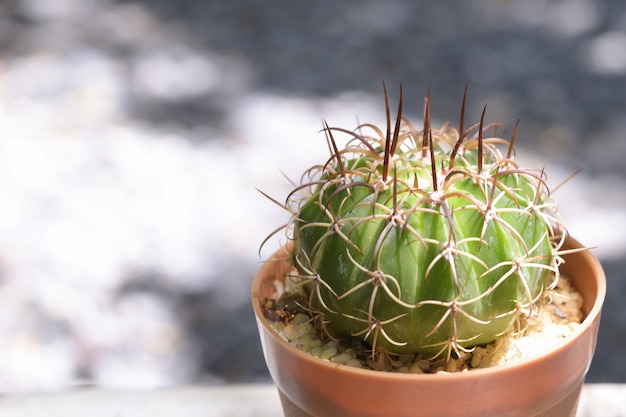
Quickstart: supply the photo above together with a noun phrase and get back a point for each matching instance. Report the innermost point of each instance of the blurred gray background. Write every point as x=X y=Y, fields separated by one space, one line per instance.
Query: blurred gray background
x=133 y=135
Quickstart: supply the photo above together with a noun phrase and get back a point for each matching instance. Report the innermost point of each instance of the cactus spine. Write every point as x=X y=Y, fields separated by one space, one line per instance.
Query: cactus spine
x=424 y=241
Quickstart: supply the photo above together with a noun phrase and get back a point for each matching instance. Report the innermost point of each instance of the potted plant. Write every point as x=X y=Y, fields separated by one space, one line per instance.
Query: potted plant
x=417 y=249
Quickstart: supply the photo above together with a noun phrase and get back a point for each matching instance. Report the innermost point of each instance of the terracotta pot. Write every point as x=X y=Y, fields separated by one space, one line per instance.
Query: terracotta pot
x=546 y=385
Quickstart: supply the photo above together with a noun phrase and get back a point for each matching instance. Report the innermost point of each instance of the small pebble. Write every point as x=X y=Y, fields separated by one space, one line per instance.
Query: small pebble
x=329 y=352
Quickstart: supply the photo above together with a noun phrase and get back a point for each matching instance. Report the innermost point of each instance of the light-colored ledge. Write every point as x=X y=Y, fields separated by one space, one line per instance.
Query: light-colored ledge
x=259 y=400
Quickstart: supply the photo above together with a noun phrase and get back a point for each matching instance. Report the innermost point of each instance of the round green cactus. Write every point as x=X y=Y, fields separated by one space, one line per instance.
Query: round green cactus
x=424 y=241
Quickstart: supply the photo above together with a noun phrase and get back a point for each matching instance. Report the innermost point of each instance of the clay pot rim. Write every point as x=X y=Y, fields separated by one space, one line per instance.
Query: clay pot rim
x=554 y=350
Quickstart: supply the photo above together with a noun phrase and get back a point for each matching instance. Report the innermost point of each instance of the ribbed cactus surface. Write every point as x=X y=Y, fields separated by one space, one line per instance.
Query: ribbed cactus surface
x=424 y=240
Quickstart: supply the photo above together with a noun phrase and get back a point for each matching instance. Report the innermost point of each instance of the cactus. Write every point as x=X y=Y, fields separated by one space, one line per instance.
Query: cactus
x=424 y=241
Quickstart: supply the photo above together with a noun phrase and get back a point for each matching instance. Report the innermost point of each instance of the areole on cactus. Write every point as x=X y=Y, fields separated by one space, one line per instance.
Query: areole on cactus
x=424 y=241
